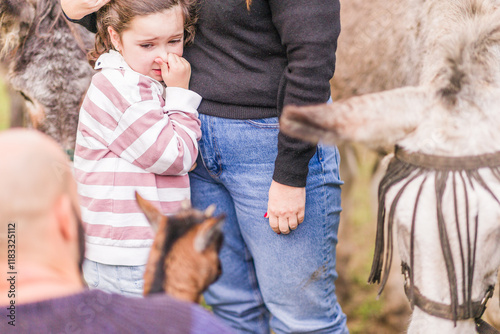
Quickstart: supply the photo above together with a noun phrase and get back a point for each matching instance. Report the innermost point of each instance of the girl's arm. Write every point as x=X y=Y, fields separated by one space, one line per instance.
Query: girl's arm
x=132 y=123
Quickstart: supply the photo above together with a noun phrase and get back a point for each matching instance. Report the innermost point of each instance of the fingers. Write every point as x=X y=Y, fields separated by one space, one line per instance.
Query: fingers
x=300 y=217
x=178 y=63
x=273 y=222
x=293 y=222
x=284 y=225
x=178 y=72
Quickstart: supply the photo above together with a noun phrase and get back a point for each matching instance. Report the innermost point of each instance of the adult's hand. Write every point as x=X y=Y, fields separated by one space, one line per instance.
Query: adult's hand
x=286 y=207
x=76 y=9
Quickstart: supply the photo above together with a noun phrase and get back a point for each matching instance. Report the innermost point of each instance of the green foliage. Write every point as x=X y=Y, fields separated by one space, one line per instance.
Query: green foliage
x=4 y=106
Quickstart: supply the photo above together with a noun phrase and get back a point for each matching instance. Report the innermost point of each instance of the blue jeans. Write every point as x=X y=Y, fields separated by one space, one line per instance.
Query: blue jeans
x=285 y=282
x=125 y=280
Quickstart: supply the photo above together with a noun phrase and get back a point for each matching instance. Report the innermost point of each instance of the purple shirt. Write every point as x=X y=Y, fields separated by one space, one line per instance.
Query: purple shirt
x=95 y=311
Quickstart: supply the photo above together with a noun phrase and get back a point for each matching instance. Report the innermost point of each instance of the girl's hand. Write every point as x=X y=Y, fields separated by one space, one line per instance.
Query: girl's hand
x=286 y=207
x=176 y=71
x=76 y=9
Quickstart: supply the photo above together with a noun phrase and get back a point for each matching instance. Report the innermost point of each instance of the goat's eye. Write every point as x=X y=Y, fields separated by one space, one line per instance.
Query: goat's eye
x=26 y=97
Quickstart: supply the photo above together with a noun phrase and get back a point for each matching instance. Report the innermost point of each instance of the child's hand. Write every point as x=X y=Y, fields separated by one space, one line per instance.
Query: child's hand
x=176 y=71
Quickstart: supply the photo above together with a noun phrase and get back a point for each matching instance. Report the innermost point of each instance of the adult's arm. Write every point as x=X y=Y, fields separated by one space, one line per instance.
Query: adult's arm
x=83 y=12
x=77 y=9
x=309 y=29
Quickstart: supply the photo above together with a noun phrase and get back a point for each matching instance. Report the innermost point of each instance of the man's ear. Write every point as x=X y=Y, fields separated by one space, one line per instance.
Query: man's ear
x=115 y=38
x=65 y=219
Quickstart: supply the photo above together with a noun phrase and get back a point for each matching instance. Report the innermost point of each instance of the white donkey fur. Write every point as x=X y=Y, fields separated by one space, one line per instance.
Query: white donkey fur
x=449 y=58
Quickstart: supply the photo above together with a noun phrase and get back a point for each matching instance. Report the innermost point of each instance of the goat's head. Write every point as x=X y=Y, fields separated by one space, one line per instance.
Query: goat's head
x=184 y=257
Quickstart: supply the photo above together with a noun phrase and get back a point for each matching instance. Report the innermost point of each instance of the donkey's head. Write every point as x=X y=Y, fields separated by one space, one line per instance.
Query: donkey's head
x=446 y=219
x=184 y=257
x=46 y=57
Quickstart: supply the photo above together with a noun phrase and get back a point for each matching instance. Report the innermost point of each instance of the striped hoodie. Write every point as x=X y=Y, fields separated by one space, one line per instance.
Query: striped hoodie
x=133 y=135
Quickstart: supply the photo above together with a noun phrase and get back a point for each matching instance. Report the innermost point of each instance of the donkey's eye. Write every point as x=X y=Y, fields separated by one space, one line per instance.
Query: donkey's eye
x=26 y=97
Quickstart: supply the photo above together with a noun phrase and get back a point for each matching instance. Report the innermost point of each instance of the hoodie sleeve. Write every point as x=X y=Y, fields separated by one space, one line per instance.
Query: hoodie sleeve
x=89 y=21
x=309 y=30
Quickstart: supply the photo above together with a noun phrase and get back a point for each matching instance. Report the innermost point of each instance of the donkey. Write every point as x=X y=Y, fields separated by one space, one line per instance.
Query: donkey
x=183 y=260
x=47 y=64
x=441 y=193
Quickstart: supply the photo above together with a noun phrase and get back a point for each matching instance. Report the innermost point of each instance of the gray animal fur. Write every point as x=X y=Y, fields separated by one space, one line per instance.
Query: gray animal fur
x=46 y=57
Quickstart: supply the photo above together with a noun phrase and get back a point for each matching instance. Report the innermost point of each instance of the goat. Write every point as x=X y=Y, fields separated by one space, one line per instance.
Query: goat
x=47 y=65
x=442 y=189
x=183 y=260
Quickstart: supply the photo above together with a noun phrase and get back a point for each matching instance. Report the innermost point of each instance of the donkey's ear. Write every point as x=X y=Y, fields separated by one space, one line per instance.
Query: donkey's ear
x=153 y=215
x=21 y=10
x=16 y=17
x=209 y=233
x=377 y=120
x=12 y=8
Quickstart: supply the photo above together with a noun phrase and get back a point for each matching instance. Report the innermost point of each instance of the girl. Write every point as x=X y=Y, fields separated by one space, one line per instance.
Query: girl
x=134 y=134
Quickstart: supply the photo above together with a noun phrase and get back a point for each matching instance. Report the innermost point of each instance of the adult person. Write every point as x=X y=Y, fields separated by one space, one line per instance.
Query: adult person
x=41 y=250
x=249 y=59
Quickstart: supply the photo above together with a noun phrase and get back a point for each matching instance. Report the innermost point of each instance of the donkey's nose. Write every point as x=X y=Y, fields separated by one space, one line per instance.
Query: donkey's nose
x=36 y=111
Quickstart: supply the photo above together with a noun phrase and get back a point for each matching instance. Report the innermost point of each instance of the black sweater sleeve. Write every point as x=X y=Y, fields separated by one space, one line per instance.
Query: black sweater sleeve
x=89 y=21
x=309 y=30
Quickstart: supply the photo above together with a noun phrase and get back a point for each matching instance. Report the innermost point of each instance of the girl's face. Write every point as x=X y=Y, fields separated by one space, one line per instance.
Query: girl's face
x=150 y=37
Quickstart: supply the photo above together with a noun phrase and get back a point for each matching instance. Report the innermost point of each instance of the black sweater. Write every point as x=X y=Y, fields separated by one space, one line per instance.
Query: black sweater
x=249 y=64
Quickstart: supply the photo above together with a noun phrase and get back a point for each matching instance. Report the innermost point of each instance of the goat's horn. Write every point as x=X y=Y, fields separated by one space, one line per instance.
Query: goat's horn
x=209 y=212
x=185 y=204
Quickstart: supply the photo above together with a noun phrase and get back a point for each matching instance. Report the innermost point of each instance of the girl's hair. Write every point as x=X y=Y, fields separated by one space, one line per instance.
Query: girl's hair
x=119 y=13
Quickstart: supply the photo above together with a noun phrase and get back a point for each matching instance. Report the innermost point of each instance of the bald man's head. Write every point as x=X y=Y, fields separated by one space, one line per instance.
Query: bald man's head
x=34 y=172
x=38 y=196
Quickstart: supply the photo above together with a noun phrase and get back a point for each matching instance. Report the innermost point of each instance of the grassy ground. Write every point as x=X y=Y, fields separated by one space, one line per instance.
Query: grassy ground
x=4 y=106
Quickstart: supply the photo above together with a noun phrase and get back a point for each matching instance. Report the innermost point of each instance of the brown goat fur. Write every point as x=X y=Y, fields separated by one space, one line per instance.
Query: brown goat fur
x=183 y=260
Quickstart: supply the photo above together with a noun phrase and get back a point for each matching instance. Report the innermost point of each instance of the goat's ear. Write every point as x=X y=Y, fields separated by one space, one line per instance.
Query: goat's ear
x=209 y=233
x=153 y=215
x=209 y=212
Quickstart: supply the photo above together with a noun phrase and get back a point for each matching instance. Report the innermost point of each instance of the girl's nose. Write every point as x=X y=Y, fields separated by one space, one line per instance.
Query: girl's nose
x=163 y=53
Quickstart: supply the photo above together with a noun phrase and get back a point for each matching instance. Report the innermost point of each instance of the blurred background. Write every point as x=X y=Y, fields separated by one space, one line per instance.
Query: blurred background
x=4 y=105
